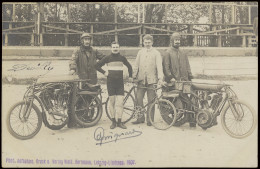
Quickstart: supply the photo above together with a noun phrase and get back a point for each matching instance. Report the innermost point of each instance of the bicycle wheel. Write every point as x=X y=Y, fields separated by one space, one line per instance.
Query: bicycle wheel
x=20 y=127
x=167 y=116
x=242 y=126
x=87 y=110
x=129 y=105
x=162 y=108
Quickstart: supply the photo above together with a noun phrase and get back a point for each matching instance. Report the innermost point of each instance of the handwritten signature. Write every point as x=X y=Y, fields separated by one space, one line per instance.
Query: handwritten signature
x=40 y=66
x=99 y=135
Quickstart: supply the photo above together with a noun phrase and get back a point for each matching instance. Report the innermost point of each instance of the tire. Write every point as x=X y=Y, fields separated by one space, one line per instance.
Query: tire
x=129 y=106
x=180 y=118
x=10 y=123
x=164 y=106
x=87 y=110
x=224 y=118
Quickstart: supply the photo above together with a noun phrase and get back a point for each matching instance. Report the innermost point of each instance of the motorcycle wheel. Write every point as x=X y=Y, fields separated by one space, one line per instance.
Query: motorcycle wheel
x=20 y=128
x=234 y=126
x=128 y=112
x=87 y=110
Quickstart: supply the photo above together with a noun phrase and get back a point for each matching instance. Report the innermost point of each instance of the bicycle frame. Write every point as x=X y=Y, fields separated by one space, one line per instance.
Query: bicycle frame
x=134 y=89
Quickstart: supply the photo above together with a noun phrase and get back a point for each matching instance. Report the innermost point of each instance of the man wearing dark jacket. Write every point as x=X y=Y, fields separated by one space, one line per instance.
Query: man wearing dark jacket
x=83 y=63
x=177 y=67
x=84 y=59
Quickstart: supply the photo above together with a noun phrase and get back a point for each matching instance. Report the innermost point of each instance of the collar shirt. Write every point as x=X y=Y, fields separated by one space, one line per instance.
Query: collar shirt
x=148 y=65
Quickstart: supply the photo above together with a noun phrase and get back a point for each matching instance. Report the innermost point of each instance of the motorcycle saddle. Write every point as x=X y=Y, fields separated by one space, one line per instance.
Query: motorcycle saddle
x=93 y=87
x=210 y=87
x=57 y=78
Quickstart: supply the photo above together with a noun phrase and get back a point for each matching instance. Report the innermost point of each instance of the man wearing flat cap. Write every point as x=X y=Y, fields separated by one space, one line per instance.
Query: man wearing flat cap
x=82 y=63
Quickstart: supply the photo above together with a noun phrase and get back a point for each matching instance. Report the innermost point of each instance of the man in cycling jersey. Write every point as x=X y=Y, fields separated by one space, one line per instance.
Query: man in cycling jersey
x=115 y=82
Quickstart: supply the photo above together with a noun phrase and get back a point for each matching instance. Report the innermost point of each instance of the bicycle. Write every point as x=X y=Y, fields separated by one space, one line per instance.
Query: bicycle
x=132 y=111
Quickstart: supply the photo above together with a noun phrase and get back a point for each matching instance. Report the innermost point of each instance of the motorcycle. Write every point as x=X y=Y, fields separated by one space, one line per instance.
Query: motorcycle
x=49 y=100
x=201 y=103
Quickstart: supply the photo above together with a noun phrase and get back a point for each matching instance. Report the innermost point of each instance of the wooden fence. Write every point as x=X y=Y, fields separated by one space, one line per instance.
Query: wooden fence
x=215 y=34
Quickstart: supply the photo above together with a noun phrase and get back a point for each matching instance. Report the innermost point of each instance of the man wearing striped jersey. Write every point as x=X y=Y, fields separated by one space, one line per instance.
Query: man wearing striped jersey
x=115 y=82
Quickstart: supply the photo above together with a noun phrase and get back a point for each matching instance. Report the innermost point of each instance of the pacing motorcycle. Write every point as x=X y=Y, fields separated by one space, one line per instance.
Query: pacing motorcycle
x=50 y=100
x=205 y=102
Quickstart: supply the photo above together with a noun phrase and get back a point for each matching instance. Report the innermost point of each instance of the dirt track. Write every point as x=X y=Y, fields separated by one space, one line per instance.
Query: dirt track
x=175 y=147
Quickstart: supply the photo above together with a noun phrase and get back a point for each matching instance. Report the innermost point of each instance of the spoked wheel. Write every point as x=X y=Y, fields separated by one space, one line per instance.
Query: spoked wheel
x=241 y=126
x=19 y=125
x=88 y=110
x=162 y=109
x=129 y=105
x=167 y=116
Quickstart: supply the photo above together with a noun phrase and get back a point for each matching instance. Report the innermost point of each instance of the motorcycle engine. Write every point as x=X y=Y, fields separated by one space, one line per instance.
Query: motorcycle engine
x=55 y=100
x=204 y=118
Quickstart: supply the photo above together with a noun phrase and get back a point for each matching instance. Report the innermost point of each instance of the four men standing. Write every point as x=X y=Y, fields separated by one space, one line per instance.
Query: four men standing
x=149 y=65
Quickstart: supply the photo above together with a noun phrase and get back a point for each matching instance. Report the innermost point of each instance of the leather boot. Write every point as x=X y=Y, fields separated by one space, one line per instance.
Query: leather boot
x=113 y=124
x=140 y=120
x=121 y=125
x=192 y=120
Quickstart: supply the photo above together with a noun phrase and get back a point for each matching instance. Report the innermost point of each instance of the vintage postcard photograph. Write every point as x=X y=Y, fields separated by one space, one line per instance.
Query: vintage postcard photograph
x=129 y=84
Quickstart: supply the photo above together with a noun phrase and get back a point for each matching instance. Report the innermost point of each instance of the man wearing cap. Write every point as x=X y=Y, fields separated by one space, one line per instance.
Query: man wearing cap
x=148 y=66
x=84 y=59
x=177 y=67
x=83 y=63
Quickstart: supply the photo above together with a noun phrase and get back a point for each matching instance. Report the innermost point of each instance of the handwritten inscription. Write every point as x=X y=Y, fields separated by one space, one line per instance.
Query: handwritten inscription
x=40 y=66
x=102 y=138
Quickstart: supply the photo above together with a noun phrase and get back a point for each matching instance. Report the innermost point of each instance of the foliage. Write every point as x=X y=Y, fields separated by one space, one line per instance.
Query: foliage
x=127 y=13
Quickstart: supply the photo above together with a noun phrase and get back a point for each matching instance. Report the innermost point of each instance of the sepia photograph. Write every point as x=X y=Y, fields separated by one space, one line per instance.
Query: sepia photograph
x=129 y=84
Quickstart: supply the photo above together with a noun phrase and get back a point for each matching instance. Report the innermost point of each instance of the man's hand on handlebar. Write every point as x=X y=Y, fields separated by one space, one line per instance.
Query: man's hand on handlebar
x=131 y=80
x=106 y=74
x=172 y=80
x=72 y=72
x=161 y=82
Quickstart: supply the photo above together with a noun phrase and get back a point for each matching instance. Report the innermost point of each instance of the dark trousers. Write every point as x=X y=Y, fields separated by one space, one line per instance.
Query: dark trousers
x=150 y=96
